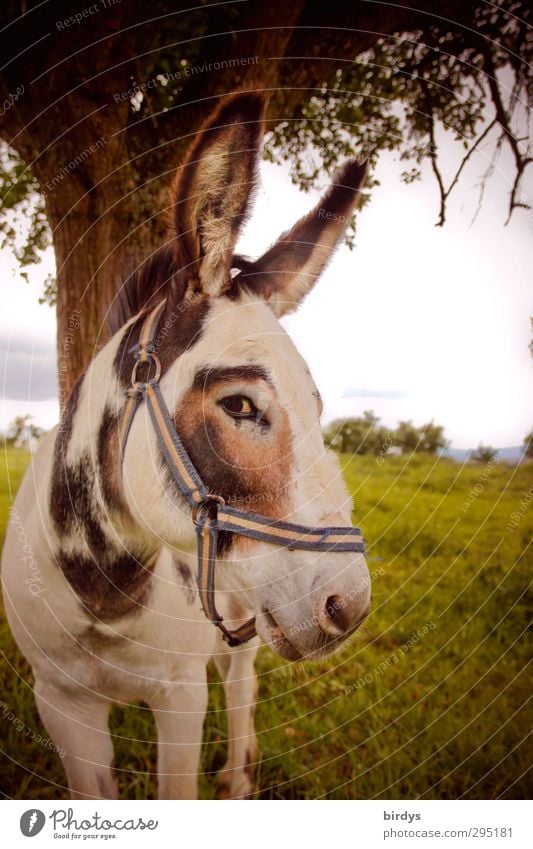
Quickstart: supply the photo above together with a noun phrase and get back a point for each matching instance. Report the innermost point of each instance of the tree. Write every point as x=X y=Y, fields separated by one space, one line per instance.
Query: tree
x=22 y=432
x=365 y=435
x=408 y=437
x=528 y=444
x=357 y=435
x=346 y=436
x=432 y=437
x=100 y=105
x=484 y=453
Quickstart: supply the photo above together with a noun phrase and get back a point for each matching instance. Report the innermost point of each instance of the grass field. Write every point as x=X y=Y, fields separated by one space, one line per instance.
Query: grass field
x=430 y=701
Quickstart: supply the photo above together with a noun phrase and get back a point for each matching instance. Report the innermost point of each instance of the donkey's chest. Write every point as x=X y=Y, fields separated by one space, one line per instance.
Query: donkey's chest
x=134 y=657
x=120 y=668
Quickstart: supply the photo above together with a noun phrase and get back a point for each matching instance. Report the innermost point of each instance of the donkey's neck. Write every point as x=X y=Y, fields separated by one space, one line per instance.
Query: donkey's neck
x=103 y=554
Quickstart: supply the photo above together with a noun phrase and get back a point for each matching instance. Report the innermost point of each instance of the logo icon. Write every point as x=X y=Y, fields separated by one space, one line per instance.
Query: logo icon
x=32 y=822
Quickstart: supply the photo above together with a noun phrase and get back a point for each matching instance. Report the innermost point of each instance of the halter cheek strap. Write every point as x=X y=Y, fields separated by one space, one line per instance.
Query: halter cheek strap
x=210 y=513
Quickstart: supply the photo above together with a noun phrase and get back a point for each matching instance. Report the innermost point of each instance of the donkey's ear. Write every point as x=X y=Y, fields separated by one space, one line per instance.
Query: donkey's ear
x=290 y=268
x=211 y=191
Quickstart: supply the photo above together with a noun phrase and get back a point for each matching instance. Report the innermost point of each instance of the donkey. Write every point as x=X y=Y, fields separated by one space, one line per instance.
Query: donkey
x=114 y=614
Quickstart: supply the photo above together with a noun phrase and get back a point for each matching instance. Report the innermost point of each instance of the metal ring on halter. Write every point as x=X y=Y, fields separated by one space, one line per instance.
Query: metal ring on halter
x=210 y=497
x=152 y=358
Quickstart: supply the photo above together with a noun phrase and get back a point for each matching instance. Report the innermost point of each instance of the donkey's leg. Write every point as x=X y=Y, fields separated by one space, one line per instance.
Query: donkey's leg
x=236 y=668
x=179 y=714
x=78 y=726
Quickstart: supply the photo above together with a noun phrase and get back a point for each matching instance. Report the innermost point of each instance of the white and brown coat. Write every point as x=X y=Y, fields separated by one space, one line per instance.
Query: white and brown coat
x=117 y=617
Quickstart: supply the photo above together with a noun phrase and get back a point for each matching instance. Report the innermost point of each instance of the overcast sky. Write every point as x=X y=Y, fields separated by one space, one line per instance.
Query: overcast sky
x=418 y=322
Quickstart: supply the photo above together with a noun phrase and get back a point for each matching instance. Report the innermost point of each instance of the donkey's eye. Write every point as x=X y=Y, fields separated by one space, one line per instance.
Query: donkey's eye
x=240 y=407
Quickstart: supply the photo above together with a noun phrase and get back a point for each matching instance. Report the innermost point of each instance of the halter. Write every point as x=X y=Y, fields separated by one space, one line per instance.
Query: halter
x=210 y=513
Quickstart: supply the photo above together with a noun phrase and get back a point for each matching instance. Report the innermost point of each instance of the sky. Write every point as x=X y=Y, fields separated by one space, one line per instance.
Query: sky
x=417 y=322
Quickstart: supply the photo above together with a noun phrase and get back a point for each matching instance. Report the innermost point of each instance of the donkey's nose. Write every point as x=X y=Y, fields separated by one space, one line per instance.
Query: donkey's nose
x=339 y=615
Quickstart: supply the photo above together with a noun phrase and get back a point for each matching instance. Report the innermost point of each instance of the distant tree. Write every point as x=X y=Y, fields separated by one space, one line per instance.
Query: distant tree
x=373 y=433
x=432 y=438
x=484 y=453
x=36 y=432
x=334 y=436
x=370 y=419
x=365 y=435
x=528 y=444
x=22 y=432
x=357 y=435
x=407 y=437
x=345 y=436
x=19 y=428
x=383 y=441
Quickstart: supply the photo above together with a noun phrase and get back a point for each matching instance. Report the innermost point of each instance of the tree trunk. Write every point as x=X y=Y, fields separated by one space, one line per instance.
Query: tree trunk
x=96 y=245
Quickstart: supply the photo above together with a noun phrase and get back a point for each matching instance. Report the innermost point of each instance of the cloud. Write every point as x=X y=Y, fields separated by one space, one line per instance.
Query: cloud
x=389 y=394
x=28 y=370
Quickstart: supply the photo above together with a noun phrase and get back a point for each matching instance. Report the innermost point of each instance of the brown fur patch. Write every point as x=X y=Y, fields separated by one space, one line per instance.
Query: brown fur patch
x=248 y=466
x=187 y=583
x=179 y=328
x=119 y=584
x=60 y=495
x=109 y=466
x=155 y=278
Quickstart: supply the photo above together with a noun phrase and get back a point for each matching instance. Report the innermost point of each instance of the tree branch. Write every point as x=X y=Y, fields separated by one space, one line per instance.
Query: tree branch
x=486 y=176
x=521 y=161
x=445 y=193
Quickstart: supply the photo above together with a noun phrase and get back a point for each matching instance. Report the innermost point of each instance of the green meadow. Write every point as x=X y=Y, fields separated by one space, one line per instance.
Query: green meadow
x=431 y=698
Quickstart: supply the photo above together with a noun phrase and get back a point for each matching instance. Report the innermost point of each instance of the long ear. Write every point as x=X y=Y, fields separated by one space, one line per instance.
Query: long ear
x=290 y=268
x=211 y=191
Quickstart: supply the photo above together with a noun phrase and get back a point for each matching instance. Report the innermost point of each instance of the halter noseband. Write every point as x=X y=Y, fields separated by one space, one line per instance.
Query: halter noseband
x=210 y=513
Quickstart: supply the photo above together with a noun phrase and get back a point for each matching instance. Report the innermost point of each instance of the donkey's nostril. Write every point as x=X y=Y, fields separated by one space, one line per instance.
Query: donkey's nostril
x=332 y=606
x=340 y=615
x=336 y=619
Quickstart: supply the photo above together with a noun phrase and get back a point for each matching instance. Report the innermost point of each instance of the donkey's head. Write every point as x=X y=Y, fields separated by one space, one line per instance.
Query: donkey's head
x=243 y=400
